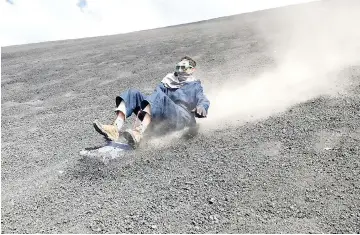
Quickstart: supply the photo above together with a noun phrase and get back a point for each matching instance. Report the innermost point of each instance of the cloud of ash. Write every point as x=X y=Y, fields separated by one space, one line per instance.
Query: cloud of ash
x=310 y=47
x=163 y=141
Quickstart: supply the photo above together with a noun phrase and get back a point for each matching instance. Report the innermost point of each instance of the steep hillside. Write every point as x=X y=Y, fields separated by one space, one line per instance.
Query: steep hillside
x=279 y=152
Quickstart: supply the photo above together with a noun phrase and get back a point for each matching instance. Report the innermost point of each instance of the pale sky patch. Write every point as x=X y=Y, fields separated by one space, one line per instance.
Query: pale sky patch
x=29 y=21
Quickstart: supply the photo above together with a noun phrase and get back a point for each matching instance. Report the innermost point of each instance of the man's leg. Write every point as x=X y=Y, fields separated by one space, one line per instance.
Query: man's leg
x=147 y=117
x=133 y=136
x=165 y=111
x=131 y=99
x=160 y=108
x=126 y=104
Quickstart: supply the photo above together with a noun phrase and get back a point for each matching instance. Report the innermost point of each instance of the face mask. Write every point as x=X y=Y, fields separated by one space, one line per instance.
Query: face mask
x=182 y=76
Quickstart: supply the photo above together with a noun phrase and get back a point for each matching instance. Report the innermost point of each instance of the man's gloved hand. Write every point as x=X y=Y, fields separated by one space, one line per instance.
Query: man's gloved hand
x=200 y=112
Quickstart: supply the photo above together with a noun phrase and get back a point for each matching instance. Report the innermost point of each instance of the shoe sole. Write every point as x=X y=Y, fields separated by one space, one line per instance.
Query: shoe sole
x=130 y=139
x=98 y=128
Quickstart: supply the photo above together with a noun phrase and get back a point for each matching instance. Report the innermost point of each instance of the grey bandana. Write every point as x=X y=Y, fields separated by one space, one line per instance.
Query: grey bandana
x=172 y=81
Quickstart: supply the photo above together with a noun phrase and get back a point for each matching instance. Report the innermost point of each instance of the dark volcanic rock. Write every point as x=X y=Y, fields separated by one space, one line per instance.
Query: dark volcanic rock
x=294 y=172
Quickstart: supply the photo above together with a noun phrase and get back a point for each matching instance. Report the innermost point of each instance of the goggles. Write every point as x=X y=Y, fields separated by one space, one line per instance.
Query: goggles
x=183 y=66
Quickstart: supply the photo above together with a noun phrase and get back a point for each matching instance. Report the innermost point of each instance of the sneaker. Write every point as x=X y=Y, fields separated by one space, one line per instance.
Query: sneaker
x=109 y=131
x=133 y=136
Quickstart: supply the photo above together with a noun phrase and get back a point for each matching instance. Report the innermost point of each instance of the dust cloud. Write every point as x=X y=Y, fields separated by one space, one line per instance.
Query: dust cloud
x=310 y=47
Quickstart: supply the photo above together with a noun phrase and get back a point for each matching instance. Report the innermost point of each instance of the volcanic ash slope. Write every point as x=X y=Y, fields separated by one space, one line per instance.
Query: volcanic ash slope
x=278 y=153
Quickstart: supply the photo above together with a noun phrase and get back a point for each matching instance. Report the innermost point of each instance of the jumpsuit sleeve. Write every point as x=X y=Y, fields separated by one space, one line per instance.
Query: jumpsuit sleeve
x=161 y=88
x=202 y=100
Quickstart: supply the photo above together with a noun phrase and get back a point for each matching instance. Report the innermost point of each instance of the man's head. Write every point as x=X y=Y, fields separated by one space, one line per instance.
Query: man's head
x=186 y=65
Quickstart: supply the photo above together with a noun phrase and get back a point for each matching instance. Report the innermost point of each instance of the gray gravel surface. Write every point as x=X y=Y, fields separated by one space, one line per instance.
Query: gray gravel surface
x=294 y=172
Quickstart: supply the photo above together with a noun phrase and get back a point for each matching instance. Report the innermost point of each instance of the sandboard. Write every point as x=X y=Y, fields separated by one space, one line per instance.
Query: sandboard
x=107 y=152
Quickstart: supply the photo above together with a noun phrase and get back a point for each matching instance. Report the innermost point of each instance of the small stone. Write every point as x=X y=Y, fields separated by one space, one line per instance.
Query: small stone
x=153 y=226
x=97 y=226
x=327 y=148
x=212 y=200
x=128 y=227
x=214 y=218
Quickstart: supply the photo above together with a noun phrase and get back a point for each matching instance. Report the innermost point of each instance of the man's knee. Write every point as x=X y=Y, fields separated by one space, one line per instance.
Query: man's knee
x=127 y=95
x=133 y=91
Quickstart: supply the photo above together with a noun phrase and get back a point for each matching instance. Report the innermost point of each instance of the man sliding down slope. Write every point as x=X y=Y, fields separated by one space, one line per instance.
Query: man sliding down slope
x=172 y=103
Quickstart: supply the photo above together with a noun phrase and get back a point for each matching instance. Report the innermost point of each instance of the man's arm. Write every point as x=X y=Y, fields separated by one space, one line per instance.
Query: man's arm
x=161 y=87
x=203 y=103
